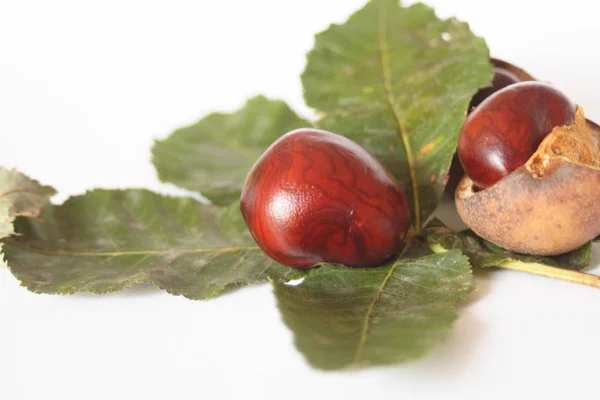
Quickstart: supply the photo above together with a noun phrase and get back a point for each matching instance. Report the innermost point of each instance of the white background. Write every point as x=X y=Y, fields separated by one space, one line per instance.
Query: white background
x=85 y=87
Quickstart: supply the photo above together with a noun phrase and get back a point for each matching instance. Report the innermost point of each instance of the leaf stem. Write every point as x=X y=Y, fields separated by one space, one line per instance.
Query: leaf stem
x=581 y=278
x=387 y=82
x=562 y=274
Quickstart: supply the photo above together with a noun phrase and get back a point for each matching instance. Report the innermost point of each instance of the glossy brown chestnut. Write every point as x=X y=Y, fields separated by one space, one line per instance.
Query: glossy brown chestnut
x=505 y=74
x=502 y=133
x=315 y=196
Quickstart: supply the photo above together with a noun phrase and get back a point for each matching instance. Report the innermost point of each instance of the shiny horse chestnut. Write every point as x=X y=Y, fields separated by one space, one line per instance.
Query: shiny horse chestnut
x=505 y=130
x=315 y=196
x=505 y=74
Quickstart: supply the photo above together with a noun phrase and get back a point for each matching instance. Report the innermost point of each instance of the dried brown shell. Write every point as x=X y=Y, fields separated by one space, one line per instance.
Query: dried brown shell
x=521 y=74
x=549 y=206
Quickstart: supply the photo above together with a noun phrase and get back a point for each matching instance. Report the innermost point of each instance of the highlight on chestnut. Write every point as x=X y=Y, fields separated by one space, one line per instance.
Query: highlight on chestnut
x=315 y=197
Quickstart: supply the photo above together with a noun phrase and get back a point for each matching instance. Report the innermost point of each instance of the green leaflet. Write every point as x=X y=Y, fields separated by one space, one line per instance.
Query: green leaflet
x=214 y=155
x=19 y=195
x=398 y=81
x=6 y=221
x=482 y=253
x=344 y=317
x=106 y=241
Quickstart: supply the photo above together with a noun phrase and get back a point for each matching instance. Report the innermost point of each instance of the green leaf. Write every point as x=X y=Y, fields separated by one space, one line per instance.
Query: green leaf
x=482 y=253
x=577 y=260
x=343 y=317
x=19 y=195
x=398 y=81
x=106 y=241
x=214 y=155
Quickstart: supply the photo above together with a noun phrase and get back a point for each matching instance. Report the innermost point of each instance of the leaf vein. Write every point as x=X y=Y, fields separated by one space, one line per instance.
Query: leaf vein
x=61 y=252
x=387 y=82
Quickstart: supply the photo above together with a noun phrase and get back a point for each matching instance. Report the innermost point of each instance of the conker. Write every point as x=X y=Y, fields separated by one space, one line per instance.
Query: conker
x=315 y=197
x=505 y=74
x=502 y=133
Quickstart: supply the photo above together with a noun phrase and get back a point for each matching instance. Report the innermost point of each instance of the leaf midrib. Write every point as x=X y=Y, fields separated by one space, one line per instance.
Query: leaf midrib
x=15 y=191
x=358 y=357
x=130 y=252
x=387 y=82
x=367 y=320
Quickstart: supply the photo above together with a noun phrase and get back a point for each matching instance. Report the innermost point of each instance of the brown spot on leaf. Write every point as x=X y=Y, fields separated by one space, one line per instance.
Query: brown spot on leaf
x=348 y=71
x=428 y=147
x=372 y=61
x=323 y=340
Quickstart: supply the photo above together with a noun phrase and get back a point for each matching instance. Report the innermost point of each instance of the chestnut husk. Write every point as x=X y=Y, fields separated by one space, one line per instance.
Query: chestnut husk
x=550 y=205
x=520 y=73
